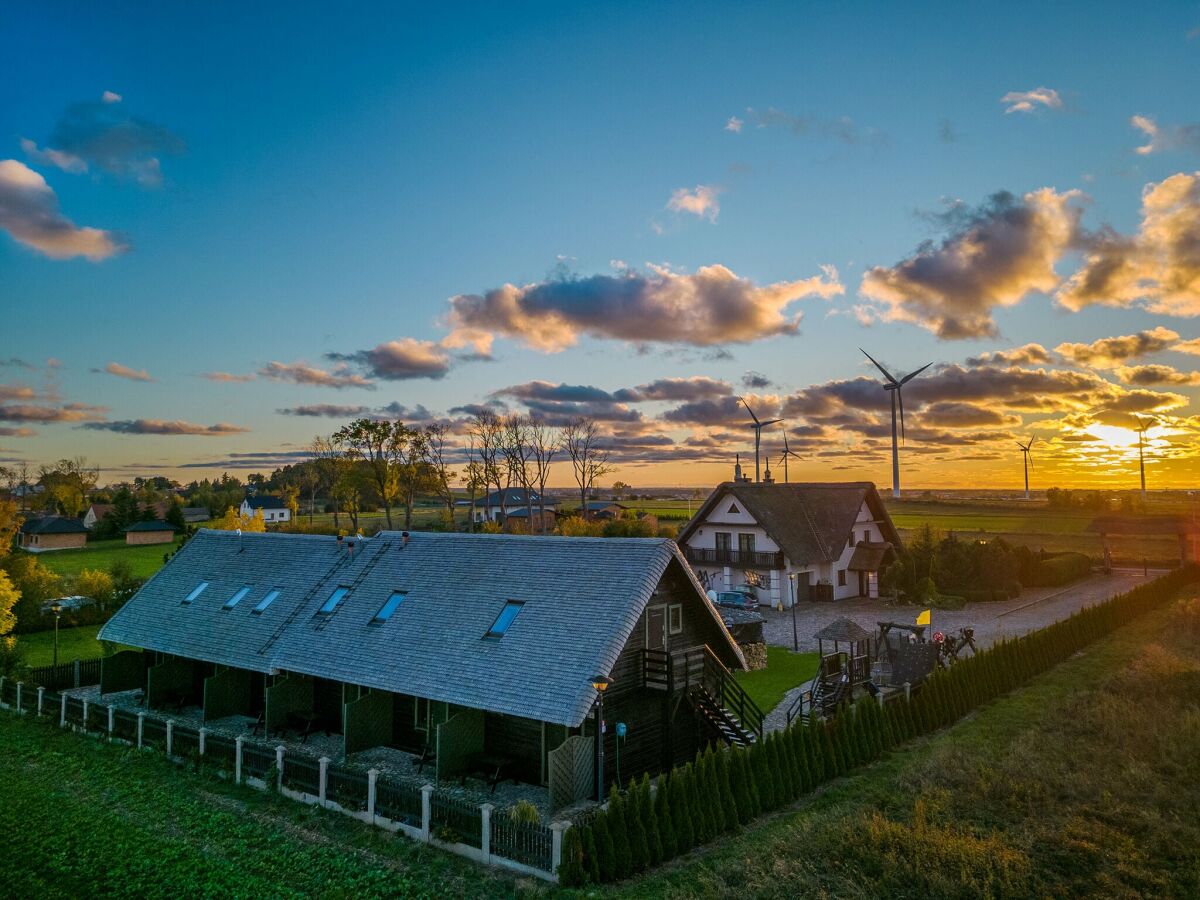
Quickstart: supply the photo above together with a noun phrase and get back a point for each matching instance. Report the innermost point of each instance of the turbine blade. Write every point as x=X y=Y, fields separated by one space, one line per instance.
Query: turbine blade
x=770 y=422
x=911 y=375
x=886 y=373
x=749 y=410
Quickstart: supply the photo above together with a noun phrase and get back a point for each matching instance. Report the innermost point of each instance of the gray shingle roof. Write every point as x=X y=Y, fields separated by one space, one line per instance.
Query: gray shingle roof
x=514 y=496
x=582 y=598
x=810 y=521
x=265 y=501
x=152 y=525
x=53 y=525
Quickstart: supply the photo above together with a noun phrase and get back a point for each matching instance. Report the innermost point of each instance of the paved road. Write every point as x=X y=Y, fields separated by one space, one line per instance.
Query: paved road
x=1035 y=608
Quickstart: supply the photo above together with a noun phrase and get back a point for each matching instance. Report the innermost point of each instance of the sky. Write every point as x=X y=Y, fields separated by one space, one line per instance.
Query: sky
x=225 y=230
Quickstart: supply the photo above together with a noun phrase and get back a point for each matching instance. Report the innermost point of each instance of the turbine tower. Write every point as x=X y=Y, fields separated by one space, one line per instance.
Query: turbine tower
x=1142 y=426
x=783 y=457
x=1028 y=461
x=758 y=427
x=894 y=386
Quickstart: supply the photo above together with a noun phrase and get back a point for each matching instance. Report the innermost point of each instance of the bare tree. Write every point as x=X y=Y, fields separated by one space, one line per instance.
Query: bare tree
x=487 y=432
x=545 y=443
x=517 y=449
x=473 y=477
x=328 y=461
x=441 y=476
x=589 y=460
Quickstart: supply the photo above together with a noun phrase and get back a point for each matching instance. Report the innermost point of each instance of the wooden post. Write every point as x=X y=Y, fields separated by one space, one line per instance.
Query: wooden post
x=426 y=811
x=485 y=824
x=323 y=762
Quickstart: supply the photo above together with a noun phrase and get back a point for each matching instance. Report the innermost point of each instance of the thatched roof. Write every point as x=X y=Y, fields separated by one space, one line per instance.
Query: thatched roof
x=844 y=630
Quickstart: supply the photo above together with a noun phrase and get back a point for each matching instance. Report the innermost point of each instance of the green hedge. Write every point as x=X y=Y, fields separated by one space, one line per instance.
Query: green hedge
x=1060 y=569
x=722 y=790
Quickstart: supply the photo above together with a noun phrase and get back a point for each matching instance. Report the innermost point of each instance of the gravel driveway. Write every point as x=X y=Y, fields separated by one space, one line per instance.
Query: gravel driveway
x=1035 y=608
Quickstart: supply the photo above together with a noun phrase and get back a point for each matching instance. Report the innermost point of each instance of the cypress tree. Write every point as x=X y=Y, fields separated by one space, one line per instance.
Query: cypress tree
x=681 y=810
x=804 y=775
x=618 y=827
x=829 y=752
x=570 y=871
x=654 y=847
x=752 y=788
x=787 y=758
x=606 y=856
x=663 y=811
x=729 y=815
x=739 y=783
x=635 y=822
x=591 y=866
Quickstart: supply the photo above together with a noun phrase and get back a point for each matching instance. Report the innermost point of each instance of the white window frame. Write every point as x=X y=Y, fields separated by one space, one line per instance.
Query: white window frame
x=675 y=618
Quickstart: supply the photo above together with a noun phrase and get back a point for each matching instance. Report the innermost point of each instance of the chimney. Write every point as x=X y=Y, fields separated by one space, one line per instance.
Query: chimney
x=403 y=539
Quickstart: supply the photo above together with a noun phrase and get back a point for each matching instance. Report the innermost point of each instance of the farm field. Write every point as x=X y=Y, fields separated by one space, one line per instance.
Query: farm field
x=145 y=560
x=998 y=804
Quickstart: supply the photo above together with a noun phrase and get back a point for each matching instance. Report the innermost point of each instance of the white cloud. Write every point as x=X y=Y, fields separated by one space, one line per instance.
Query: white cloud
x=29 y=212
x=68 y=162
x=1030 y=101
x=734 y=124
x=701 y=201
x=110 y=97
x=1159 y=138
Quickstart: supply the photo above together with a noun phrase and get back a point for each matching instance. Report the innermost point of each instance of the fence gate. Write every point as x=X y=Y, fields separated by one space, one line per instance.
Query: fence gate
x=572 y=771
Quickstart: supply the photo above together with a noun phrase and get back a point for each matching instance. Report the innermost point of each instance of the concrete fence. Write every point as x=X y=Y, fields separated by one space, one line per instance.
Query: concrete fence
x=476 y=832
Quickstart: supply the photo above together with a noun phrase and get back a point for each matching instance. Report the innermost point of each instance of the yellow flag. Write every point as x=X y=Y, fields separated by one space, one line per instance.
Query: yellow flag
x=923 y=618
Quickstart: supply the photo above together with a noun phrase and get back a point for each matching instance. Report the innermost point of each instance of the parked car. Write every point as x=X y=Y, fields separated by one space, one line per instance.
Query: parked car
x=735 y=600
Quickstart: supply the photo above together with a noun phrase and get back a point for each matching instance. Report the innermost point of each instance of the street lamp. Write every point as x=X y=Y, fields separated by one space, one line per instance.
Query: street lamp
x=600 y=683
x=57 y=609
x=795 y=633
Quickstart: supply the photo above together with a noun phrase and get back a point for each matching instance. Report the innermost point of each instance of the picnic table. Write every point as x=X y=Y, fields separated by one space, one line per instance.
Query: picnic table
x=491 y=767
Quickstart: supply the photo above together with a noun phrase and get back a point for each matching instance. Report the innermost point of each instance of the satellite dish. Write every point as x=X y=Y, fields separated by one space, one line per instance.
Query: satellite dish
x=712 y=595
x=239 y=532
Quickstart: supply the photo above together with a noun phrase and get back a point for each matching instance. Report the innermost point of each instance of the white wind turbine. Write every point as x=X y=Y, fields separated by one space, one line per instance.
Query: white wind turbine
x=1028 y=461
x=758 y=427
x=783 y=457
x=894 y=386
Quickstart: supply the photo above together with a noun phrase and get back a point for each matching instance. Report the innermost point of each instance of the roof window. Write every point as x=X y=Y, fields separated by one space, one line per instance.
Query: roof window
x=392 y=604
x=237 y=598
x=334 y=601
x=196 y=592
x=266 y=601
x=504 y=621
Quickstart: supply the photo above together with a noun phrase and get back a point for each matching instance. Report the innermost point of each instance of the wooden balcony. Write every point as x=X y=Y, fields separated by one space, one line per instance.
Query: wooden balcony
x=735 y=558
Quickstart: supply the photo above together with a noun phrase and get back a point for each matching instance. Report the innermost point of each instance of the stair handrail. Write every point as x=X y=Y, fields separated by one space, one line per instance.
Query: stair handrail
x=731 y=695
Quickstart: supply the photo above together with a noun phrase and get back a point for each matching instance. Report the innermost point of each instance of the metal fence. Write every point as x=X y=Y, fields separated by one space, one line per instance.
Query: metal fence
x=77 y=673
x=301 y=774
x=185 y=742
x=8 y=691
x=125 y=725
x=452 y=819
x=347 y=789
x=97 y=717
x=524 y=842
x=221 y=751
x=74 y=711
x=29 y=698
x=256 y=760
x=398 y=802
x=154 y=733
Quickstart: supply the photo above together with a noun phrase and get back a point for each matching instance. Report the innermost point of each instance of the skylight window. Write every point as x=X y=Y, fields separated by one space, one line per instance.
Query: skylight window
x=196 y=592
x=334 y=601
x=505 y=619
x=237 y=598
x=392 y=604
x=267 y=600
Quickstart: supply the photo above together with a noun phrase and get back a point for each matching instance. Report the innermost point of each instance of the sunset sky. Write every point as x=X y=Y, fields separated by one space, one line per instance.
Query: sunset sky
x=227 y=228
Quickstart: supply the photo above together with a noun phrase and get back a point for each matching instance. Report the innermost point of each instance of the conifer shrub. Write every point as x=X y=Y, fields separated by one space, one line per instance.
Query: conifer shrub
x=605 y=852
x=635 y=822
x=618 y=828
x=590 y=861
x=571 y=872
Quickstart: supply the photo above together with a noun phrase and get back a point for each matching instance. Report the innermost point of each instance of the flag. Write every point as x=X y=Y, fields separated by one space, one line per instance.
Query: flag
x=923 y=618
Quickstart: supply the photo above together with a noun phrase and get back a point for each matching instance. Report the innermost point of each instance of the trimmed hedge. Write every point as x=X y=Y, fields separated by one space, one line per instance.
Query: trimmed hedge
x=723 y=789
x=1057 y=570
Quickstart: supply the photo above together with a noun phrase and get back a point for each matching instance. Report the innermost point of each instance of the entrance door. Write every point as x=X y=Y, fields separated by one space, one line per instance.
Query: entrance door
x=656 y=628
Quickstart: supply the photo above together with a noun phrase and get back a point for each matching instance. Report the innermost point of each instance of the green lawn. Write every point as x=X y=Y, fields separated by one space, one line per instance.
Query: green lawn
x=73 y=643
x=1083 y=783
x=785 y=670
x=145 y=560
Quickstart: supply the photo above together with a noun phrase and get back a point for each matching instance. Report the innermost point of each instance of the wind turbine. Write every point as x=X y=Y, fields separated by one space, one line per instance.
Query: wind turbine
x=894 y=387
x=1141 y=430
x=1028 y=461
x=758 y=427
x=783 y=457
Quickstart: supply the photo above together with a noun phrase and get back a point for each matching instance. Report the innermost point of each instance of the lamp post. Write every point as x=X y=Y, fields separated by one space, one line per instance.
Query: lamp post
x=795 y=633
x=600 y=683
x=57 y=609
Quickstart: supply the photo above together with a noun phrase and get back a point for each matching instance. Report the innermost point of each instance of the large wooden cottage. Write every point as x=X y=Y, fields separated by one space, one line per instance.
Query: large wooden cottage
x=462 y=646
x=820 y=541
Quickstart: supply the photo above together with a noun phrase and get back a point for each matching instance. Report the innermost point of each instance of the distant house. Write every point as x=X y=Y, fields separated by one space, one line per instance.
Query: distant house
x=604 y=509
x=48 y=533
x=95 y=513
x=443 y=640
x=195 y=514
x=522 y=520
x=153 y=532
x=274 y=510
x=834 y=537
x=499 y=505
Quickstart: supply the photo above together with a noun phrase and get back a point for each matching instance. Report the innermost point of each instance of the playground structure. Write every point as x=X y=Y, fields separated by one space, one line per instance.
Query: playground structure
x=895 y=661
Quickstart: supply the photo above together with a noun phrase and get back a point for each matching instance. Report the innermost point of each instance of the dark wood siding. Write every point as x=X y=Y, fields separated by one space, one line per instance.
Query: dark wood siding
x=518 y=739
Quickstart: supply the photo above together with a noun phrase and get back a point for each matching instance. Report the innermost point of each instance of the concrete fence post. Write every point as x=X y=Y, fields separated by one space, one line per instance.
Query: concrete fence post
x=170 y=734
x=557 y=829
x=279 y=751
x=76 y=673
x=372 y=782
x=141 y=728
x=20 y=687
x=879 y=697
x=907 y=691
x=201 y=735
x=41 y=698
x=112 y=715
x=323 y=762
x=426 y=811
x=85 y=716
x=62 y=711
x=485 y=825
x=237 y=760
x=2 y=680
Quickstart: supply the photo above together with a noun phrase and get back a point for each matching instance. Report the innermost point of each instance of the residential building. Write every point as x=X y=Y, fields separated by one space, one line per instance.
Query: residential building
x=46 y=533
x=461 y=645
x=834 y=537
x=274 y=510
x=152 y=532
x=499 y=505
x=604 y=509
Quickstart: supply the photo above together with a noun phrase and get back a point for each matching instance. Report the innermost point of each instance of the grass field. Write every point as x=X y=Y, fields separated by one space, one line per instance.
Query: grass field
x=785 y=670
x=73 y=643
x=145 y=560
x=1084 y=783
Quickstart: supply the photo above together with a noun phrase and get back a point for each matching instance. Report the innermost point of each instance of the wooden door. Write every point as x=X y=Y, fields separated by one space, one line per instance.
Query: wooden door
x=656 y=628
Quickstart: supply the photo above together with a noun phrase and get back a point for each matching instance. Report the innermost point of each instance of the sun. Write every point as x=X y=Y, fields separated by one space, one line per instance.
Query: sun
x=1114 y=435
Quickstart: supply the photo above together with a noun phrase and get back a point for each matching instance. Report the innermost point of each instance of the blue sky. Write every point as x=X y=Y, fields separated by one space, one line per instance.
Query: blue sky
x=327 y=178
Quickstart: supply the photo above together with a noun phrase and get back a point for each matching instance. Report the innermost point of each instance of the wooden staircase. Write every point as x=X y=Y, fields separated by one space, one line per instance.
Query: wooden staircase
x=700 y=678
x=720 y=720
x=821 y=700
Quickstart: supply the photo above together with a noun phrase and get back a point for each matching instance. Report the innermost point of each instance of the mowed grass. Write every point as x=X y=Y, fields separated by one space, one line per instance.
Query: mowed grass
x=785 y=670
x=144 y=560
x=85 y=819
x=37 y=649
x=1084 y=783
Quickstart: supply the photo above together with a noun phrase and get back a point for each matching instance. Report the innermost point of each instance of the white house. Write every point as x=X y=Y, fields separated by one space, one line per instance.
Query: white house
x=274 y=510
x=830 y=539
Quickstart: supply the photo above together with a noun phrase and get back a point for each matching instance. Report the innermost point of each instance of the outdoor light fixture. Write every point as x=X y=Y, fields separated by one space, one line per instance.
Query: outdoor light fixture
x=600 y=683
x=57 y=609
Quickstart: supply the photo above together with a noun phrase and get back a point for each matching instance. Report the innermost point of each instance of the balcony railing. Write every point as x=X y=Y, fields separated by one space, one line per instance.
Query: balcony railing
x=755 y=559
